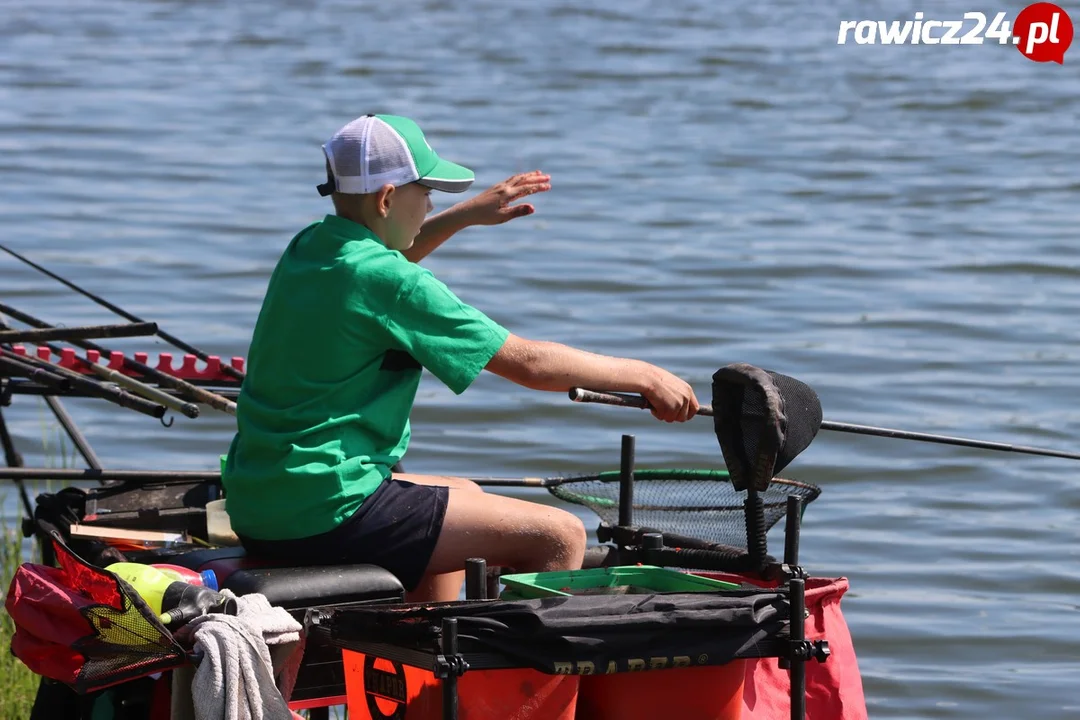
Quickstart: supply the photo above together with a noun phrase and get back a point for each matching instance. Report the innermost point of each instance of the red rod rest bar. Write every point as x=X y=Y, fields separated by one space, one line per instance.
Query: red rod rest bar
x=188 y=370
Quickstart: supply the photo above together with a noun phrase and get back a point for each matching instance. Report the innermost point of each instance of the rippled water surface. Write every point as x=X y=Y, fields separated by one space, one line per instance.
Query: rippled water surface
x=894 y=225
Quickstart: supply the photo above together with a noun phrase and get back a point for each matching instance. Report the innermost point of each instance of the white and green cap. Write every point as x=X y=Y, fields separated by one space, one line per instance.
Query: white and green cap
x=377 y=150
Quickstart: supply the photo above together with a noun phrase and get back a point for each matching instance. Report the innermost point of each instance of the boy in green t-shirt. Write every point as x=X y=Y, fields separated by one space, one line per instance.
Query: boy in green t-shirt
x=348 y=322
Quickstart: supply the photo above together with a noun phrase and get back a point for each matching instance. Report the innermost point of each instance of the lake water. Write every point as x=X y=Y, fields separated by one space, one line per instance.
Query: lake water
x=896 y=226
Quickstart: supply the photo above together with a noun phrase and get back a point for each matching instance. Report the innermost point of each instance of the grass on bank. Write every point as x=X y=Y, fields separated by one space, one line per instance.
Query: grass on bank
x=19 y=685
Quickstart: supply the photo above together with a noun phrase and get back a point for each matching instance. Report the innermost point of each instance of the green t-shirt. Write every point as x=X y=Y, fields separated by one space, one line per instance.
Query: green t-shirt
x=333 y=369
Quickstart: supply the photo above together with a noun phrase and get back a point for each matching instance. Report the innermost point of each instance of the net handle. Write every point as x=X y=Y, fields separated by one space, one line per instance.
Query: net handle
x=622 y=400
x=605 y=476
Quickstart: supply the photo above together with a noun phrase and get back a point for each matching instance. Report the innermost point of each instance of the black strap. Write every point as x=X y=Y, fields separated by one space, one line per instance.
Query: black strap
x=330 y=185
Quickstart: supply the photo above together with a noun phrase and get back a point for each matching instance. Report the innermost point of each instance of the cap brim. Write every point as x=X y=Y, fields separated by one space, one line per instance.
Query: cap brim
x=448 y=177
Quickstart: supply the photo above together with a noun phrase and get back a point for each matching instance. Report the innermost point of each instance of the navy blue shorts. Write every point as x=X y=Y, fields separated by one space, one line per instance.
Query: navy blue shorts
x=395 y=528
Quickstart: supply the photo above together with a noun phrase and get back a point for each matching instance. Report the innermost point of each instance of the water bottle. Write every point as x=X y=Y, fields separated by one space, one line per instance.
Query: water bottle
x=182 y=602
x=173 y=601
x=206 y=578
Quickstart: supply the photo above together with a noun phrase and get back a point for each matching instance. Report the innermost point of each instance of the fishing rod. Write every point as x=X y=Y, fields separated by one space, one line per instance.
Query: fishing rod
x=91 y=387
x=637 y=401
x=61 y=379
x=161 y=397
x=186 y=389
x=66 y=422
x=214 y=476
x=167 y=337
x=23 y=386
x=98 y=474
x=12 y=364
x=79 y=333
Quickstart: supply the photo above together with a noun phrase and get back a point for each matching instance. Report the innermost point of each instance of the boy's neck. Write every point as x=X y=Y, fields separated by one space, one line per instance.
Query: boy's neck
x=356 y=218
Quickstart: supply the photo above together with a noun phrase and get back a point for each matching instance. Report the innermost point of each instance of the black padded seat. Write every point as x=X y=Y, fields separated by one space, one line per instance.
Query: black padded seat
x=296 y=588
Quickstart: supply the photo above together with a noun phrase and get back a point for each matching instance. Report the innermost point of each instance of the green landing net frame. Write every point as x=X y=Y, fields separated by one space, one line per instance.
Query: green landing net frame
x=695 y=503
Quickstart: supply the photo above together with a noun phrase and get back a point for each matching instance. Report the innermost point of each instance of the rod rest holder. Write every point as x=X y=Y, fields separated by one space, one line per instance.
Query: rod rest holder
x=635 y=537
x=449 y=664
x=804 y=650
x=445 y=666
x=783 y=572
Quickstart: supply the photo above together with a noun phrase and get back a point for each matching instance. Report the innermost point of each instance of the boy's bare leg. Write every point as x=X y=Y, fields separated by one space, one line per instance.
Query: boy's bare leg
x=437 y=588
x=507 y=532
x=445 y=587
x=454 y=483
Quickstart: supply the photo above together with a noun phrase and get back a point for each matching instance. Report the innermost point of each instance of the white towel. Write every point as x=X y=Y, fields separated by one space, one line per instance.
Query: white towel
x=236 y=678
x=283 y=636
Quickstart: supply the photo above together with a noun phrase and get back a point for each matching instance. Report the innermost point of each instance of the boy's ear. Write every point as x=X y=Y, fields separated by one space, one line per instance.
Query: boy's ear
x=383 y=199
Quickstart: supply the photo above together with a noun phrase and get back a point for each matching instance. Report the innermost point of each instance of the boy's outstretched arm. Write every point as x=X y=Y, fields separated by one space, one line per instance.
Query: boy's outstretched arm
x=551 y=366
x=491 y=207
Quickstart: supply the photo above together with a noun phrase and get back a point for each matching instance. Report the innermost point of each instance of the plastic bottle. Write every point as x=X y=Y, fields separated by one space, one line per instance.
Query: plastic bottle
x=182 y=602
x=174 y=601
x=206 y=578
x=148 y=581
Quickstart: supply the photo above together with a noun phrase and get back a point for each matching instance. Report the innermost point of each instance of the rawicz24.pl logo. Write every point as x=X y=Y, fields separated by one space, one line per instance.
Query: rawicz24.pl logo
x=1041 y=32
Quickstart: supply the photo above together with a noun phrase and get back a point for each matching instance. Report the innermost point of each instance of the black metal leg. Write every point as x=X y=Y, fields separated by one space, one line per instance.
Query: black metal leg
x=56 y=700
x=11 y=455
x=791 y=530
x=798 y=634
x=450 y=682
x=626 y=482
x=77 y=438
x=320 y=713
x=476 y=585
x=493 y=582
x=14 y=459
x=756 y=542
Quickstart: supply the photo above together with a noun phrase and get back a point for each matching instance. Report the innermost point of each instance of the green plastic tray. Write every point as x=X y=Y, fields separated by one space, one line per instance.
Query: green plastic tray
x=629 y=579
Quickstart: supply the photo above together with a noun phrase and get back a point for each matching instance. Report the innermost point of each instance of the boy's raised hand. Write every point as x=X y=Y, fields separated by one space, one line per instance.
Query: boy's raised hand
x=492 y=206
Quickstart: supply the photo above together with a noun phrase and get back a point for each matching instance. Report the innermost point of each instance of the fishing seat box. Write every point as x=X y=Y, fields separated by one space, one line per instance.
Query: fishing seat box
x=322 y=674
